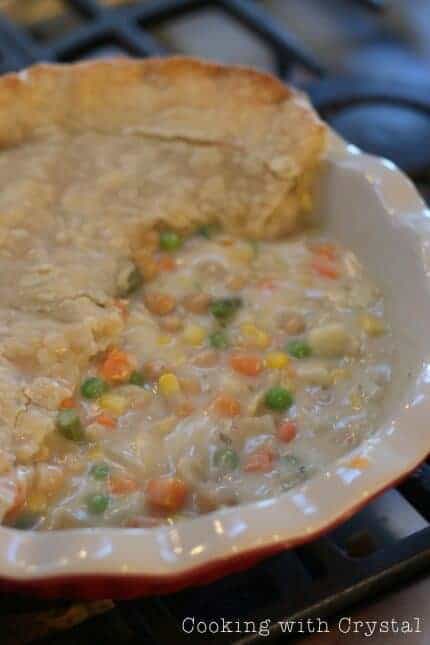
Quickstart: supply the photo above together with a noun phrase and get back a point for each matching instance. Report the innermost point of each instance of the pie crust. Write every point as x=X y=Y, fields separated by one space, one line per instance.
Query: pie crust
x=91 y=156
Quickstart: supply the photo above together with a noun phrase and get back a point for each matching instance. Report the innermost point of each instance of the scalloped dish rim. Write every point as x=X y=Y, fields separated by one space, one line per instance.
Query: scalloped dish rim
x=115 y=562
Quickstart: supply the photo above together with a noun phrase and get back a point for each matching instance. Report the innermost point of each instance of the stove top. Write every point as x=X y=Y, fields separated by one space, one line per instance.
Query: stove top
x=365 y=64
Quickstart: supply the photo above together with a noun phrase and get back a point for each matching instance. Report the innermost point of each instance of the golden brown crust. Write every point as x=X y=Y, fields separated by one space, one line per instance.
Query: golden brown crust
x=93 y=154
x=252 y=141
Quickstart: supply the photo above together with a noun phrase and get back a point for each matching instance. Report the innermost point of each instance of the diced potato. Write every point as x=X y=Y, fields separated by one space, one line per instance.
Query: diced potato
x=164 y=426
x=47 y=392
x=254 y=426
x=95 y=431
x=314 y=374
x=138 y=397
x=339 y=374
x=330 y=340
x=32 y=426
x=48 y=479
x=372 y=325
x=206 y=358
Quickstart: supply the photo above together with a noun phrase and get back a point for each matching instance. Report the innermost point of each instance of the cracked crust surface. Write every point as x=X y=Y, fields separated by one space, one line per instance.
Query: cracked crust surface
x=93 y=154
x=240 y=145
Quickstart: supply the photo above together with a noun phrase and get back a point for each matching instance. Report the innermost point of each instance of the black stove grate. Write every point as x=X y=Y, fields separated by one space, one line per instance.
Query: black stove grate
x=99 y=30
x=358 y=560
x=126 y=26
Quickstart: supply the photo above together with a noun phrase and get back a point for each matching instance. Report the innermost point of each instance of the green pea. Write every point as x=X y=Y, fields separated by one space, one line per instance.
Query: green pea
x=278 y=398
x=129 y=281
x=299 y=349
x=225 y=308
x=170 y=241
x=69 y=425
x=226 y=459
x=93 y=387
x=97 y=504
x=100 y=471
x=136 y=378
x=218 y=340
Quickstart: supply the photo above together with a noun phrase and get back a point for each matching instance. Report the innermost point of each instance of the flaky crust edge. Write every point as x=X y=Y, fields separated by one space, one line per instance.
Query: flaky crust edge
x=178 y=98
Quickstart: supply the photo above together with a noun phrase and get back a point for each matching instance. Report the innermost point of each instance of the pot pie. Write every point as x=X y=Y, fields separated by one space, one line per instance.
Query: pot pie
x=165 y=349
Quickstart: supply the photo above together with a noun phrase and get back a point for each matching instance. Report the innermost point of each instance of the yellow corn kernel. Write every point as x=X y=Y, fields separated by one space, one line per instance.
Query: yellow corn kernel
x=164 y=339
x=194 y=334
x=37 y=502
x=359 y=463
x=114 y=403
x=372 y=325
x=95 y=453
x=355 y=400
x=168 y=384
x=339 y=374
x=277 y=360
x=243 y=253
x=255 y=336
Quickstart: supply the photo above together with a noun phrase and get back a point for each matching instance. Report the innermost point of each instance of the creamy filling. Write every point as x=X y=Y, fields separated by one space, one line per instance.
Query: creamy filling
x=232 y=371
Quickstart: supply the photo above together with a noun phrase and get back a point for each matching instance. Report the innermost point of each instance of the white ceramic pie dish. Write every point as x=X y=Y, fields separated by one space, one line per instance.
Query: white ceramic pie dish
x=371 y=207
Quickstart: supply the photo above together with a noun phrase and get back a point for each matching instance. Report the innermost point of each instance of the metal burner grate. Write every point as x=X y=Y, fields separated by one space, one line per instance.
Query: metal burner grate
x=381 y=546
x=127 y=28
